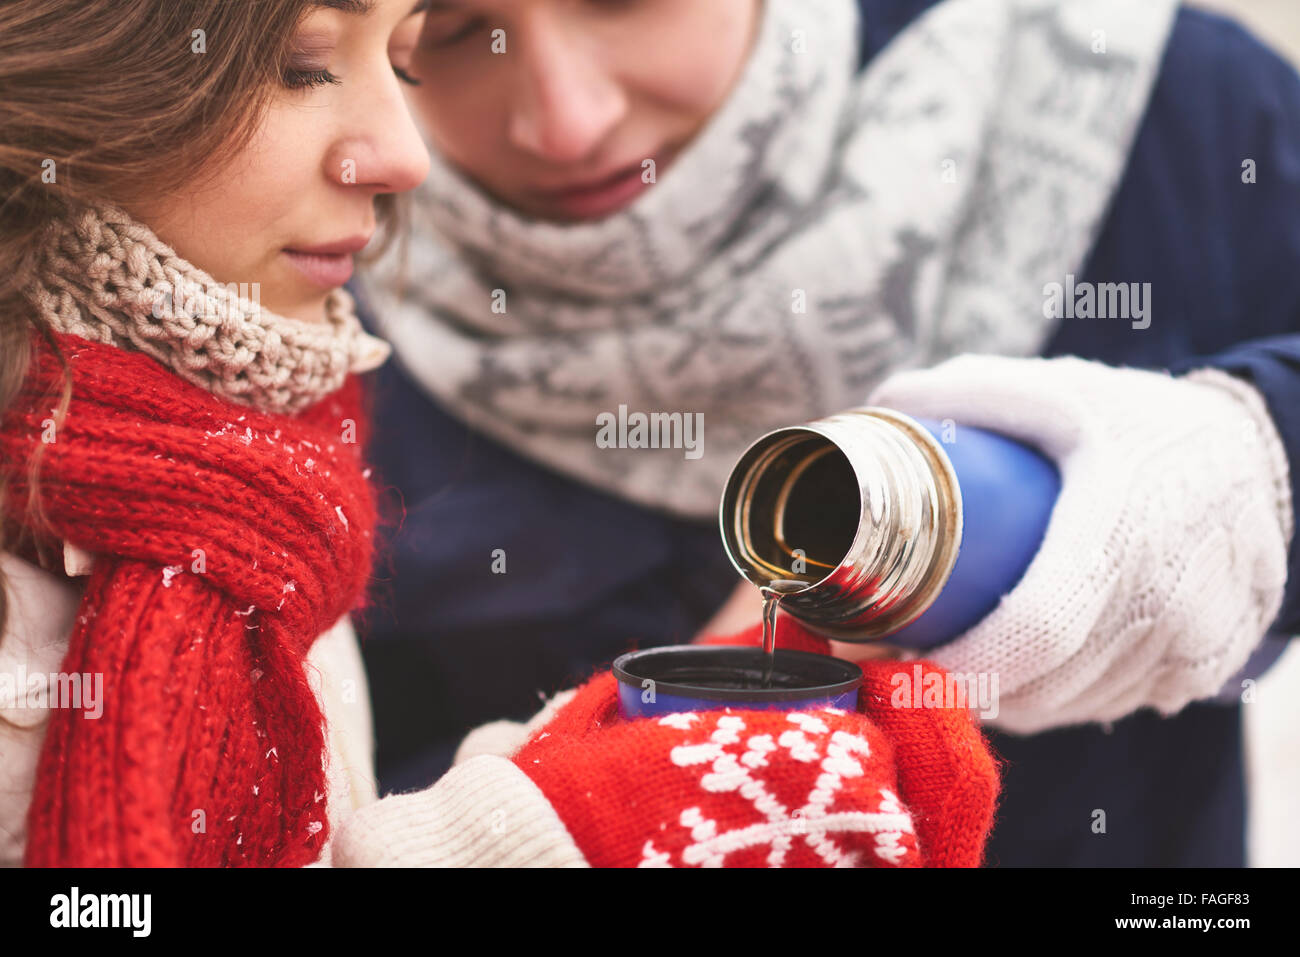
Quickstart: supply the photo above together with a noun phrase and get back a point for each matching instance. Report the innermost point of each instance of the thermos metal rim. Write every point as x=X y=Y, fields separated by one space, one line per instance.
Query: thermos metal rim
x=849 y=617
x=635 y=667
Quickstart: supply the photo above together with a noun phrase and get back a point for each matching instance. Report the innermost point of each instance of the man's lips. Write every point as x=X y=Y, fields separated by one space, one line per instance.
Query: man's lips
x=594 y=184
x=597 y=196
x=592 y=196
x=328 y=264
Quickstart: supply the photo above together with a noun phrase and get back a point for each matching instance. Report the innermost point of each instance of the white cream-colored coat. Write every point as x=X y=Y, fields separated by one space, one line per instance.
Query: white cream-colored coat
x=457 y=822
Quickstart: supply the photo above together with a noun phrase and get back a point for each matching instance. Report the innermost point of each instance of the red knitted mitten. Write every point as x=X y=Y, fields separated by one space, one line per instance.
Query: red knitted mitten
x=734 y=788
x=948 y=774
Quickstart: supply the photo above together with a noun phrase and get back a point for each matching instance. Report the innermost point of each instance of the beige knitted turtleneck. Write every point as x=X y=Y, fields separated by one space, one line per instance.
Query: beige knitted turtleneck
x=108 y=278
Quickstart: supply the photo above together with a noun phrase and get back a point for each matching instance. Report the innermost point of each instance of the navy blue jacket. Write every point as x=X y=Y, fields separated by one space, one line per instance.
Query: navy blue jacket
x=451 y=644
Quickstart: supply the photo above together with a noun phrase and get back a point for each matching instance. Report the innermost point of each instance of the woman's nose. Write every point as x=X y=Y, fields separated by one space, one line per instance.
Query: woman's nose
x=383 y=150
x=565 y=100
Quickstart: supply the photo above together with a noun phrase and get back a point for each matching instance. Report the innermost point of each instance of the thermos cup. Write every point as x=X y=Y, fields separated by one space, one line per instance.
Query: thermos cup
x=903 y=529
x=711 y=677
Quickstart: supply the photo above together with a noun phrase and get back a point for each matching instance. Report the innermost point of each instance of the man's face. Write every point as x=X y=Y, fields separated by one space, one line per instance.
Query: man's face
x=554 y=106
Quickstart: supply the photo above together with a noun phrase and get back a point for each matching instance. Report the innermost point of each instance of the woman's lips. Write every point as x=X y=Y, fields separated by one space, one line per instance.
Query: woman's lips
x=330 y=265
x=328 y=270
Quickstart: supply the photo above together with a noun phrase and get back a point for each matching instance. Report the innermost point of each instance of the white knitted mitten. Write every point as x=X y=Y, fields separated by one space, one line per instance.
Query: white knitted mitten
x=1165 y=559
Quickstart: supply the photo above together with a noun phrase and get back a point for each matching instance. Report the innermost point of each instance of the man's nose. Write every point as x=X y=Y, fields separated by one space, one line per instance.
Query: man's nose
x=565 y=99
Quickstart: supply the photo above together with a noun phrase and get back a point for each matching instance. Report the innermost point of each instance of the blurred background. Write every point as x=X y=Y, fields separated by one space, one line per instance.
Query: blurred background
x=1273 y=720
x=1275 y=20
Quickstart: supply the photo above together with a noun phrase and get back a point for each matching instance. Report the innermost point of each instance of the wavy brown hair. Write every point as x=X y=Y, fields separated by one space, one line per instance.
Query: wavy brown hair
x=115 y=101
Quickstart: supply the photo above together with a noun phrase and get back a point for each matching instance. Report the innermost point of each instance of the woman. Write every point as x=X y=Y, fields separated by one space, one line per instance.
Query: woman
x=690 y=208
x=184 y=500
x=187 y=517
x=183 y=497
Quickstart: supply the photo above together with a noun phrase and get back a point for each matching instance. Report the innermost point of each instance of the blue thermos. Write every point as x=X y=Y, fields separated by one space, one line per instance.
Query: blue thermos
x=878 y=526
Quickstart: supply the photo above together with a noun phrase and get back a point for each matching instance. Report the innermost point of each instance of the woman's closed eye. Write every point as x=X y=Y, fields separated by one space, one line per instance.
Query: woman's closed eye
x=304 y=79
x=307 y=64
x=317 y=45
x=299 y=79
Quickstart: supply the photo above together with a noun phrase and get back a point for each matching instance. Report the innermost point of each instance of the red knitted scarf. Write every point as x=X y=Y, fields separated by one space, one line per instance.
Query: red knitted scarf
x=225 y=540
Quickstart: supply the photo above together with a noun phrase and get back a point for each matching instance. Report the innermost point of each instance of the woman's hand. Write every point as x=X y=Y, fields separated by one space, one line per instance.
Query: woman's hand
x=893 y=785
x=889 y=786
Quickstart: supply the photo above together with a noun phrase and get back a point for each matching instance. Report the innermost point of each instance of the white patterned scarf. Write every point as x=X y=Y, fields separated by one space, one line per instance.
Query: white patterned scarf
x=825 y=229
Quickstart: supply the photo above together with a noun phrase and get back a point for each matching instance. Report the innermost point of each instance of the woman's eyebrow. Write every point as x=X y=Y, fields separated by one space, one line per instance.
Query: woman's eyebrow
x=362 y=7
x=357 y=7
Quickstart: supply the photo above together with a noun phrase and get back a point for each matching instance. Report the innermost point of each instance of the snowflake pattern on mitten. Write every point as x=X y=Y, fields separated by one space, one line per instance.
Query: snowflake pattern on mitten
x=733 y=764
x=724 y=788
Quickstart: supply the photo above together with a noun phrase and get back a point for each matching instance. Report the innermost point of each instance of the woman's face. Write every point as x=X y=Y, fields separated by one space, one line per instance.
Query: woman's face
x=290 y=210
x=553 y=106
